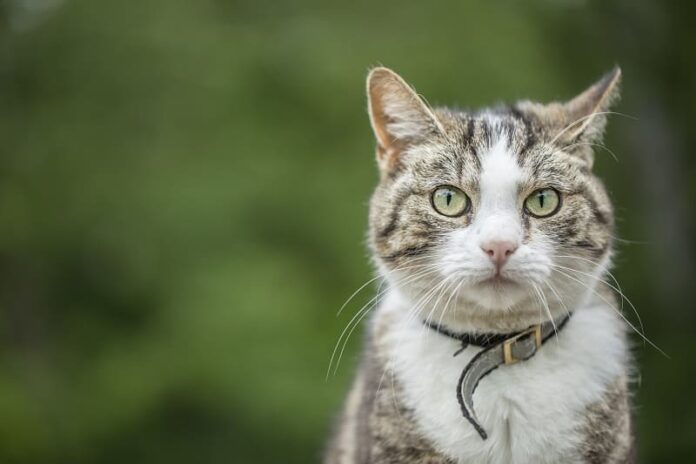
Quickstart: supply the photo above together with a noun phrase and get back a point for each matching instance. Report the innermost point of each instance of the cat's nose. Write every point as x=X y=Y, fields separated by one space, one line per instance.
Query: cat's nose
x=499 y=251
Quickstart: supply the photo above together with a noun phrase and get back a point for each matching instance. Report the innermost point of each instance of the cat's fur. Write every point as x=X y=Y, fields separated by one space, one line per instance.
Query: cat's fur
x=570 y=402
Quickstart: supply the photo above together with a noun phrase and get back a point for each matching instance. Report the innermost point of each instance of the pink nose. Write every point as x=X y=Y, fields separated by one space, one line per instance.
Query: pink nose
x=499 y=251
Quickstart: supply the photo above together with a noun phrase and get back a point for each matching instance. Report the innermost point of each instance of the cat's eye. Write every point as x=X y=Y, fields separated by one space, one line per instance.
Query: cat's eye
x=449 y=201
x=543 y=202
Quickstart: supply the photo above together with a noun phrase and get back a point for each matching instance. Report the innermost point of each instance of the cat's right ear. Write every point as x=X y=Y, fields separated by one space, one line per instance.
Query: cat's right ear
x=399 y=117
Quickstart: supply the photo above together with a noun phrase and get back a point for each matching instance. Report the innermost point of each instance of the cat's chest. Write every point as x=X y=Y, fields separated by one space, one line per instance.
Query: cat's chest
x=533 y=411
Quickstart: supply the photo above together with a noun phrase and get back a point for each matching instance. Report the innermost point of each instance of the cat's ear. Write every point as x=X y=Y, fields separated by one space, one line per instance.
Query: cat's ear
x=586 y=114
x=578 y=125
x=398 y=115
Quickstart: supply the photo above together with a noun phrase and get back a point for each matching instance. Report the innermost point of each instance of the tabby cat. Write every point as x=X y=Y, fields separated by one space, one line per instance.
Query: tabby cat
x=496 y=338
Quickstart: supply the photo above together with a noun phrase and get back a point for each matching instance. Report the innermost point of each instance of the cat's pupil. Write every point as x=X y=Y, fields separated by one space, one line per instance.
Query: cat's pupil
x=449 y=198
x=541 y=199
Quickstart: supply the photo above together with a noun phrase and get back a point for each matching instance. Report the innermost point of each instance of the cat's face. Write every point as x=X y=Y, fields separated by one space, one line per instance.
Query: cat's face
x=493 y=218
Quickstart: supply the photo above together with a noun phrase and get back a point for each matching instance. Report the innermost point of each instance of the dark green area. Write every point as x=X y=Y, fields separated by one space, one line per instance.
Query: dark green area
x=183 y=191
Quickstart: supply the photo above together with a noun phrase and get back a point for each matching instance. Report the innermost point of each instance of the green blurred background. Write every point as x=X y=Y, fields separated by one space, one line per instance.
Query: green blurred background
x=183 y=191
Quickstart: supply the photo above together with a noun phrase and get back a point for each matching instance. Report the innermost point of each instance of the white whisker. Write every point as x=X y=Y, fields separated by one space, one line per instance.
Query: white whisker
x=545 y=304
x=616 y=288
x=616 y=310
x=362 y=312
x=579 y=120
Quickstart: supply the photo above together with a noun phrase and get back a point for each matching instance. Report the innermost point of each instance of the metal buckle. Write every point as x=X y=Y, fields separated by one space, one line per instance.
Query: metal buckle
x=535 y=330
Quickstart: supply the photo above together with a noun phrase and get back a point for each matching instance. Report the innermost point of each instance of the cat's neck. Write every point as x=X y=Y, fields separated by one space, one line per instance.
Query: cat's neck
x=540 y=391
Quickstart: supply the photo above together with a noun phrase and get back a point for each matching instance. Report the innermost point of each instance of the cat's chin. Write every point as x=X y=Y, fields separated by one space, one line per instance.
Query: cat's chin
x=497 y=293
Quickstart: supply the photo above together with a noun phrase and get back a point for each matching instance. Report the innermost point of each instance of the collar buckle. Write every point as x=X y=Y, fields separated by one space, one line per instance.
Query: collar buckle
x=534 y=332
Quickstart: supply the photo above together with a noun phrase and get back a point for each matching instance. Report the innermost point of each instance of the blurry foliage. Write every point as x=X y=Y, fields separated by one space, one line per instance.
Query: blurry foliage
x=183 y=191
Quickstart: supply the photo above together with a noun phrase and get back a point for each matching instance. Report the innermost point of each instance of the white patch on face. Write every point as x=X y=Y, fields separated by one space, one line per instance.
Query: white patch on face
x=500 y=179
x=497 y=219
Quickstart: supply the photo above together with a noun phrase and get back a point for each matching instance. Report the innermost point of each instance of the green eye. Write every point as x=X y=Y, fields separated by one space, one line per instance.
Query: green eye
x=543 y=202
x=450 y=201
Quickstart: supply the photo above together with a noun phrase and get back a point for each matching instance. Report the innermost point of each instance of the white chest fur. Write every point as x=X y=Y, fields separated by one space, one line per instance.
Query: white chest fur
x=531 y=410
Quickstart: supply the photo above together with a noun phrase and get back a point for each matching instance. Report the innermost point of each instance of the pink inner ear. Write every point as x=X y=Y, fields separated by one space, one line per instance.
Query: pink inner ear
x=378 y=119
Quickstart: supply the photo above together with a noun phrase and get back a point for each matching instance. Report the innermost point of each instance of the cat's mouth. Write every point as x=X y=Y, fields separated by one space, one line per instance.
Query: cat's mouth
x=497 y=281
x=496 y=292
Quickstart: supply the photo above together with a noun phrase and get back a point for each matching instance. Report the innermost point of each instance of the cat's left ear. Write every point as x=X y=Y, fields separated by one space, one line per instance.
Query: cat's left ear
x=586 y=114
x=579 y=124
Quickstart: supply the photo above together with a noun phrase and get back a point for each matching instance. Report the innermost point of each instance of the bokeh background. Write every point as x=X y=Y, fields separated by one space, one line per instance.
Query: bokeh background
x=183 y=189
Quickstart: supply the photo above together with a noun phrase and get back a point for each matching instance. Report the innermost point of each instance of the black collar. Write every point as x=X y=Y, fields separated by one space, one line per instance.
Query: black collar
x=482 y=340
x=498 y=350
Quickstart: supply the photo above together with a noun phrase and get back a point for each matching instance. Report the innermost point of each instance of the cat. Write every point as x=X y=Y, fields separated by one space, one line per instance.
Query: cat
x=497 y=338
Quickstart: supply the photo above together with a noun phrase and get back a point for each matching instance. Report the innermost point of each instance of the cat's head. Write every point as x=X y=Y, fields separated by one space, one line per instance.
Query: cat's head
x=490 y=218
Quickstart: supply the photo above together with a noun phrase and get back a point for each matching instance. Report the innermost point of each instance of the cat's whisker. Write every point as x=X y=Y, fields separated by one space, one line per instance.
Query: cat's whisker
x=381 y=379
x=395 y=402
x=435 y=307
x=407 y=279
x=357 y=316
x=406 y=266
x=558 y=297
x=615 y=310
x=579 y=120
x=535 y=298
x=446 y=308
x=548 y=311
x=602 y=146
x=419 y=298
x=421 y=295
x=424 y=330
x=616 y=288
x=365 y=308
x=630 y=242
x=350 y=298
x=423 y=300
x=430 y=293
x=545 y=304
x=443 y=288
x=345 y=343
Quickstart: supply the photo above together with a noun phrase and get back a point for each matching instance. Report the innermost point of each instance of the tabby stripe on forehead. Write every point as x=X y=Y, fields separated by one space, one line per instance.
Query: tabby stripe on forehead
x=530 y=140
x=530 y=137
x=544 y=164
x=470 y=147
x=510 y=132
x=485 y=133
x=470 y=128
x=459 y=166
x=516 y=113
